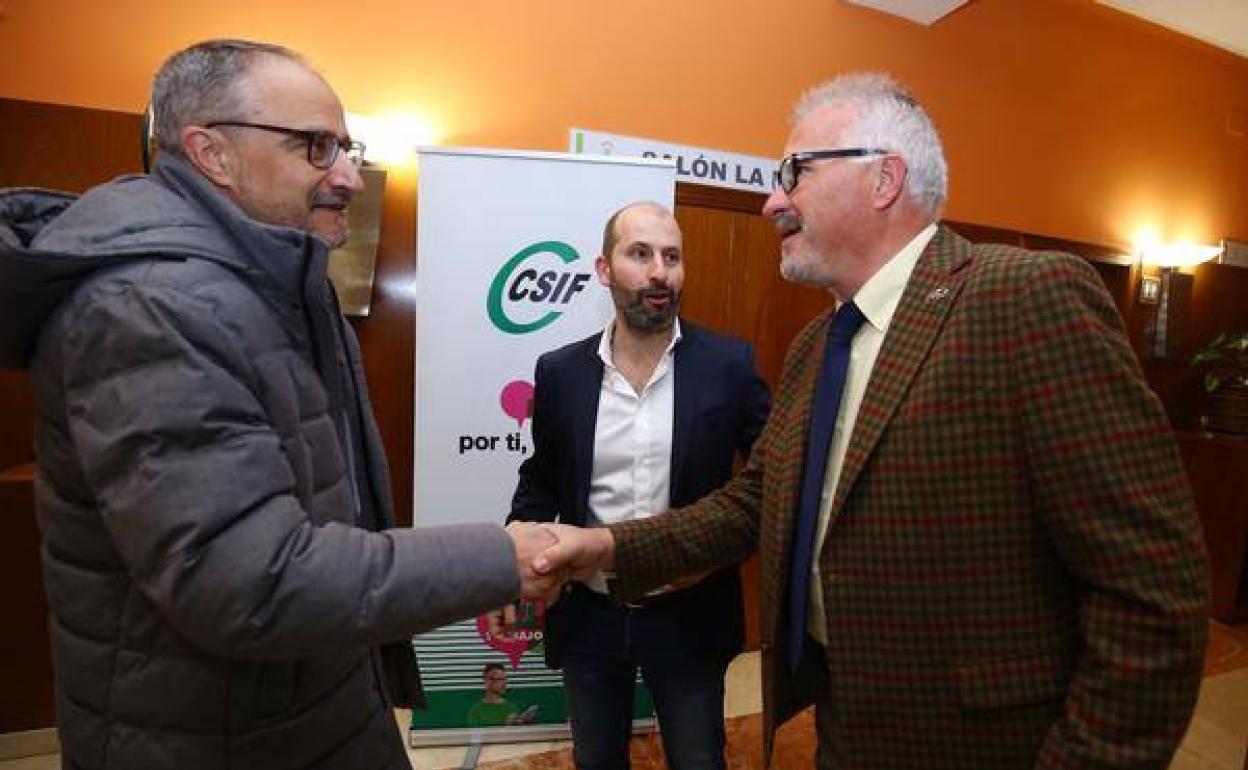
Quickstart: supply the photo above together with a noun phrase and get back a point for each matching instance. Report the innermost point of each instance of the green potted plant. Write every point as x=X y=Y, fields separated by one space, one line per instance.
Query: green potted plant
x=1225 y=361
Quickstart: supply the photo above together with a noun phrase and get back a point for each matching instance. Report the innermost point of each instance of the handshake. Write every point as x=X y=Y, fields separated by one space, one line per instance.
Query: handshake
x=549 y=555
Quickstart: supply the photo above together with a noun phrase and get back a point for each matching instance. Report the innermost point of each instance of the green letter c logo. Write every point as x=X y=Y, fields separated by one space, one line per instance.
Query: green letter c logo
x=494 y=302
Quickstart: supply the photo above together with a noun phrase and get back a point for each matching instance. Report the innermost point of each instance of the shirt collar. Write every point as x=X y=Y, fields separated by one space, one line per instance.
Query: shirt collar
x=879 y=296
x=604 y=344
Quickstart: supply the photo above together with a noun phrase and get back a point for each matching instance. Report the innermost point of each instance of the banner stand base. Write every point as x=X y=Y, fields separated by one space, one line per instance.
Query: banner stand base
x=471 y=757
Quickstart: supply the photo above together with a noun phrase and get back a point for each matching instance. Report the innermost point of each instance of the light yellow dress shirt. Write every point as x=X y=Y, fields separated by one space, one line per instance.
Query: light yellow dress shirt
x=877 y=299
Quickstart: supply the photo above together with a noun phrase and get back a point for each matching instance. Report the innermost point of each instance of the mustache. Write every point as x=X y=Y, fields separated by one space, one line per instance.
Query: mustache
x=786 y=222
x=332 y=198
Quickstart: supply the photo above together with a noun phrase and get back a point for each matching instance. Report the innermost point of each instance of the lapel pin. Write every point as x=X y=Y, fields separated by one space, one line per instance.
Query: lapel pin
x=937 y=294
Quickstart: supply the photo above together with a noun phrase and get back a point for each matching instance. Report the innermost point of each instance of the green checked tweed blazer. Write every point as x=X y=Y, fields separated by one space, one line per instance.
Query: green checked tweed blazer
x=1015 y=575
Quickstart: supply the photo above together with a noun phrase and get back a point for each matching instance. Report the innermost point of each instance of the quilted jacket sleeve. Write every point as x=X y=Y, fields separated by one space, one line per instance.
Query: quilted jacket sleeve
x=192 y=484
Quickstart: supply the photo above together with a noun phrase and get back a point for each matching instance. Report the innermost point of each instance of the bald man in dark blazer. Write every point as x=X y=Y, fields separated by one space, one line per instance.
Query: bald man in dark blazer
x=649 y=413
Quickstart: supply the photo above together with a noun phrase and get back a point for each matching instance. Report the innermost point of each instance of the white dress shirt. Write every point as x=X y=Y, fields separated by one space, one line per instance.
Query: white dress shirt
x=877 y=299
x=631 y=473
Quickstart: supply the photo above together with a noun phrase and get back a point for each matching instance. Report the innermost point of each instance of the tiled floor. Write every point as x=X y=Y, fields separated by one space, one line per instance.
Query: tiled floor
x=1217 y=739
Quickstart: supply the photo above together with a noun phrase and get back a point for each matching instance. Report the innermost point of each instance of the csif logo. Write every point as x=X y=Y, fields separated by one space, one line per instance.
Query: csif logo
x=529 y=283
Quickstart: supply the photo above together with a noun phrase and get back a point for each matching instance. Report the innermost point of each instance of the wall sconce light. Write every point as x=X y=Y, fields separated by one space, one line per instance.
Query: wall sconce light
x=1150 y=288
x=353 y=266
x=1166 y=260
x=389 y=146
x=391 y=140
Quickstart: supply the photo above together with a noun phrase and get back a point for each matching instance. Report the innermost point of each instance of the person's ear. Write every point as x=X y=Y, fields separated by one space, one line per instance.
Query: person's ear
x=890 y=182
x=209 y=151
x=602 y=266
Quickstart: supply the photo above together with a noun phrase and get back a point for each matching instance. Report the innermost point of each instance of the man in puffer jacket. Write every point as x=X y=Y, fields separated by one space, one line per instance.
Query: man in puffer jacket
x=225 y=587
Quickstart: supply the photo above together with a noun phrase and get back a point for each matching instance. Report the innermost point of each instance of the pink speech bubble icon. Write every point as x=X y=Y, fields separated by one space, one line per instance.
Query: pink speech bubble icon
x=513 y=636
x=517 y=401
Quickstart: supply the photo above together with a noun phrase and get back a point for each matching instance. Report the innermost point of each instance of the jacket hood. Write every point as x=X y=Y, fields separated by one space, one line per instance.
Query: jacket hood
x=50 y=242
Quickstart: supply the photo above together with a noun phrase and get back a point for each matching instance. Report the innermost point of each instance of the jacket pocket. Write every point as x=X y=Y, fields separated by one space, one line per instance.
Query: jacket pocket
x=1014 y=681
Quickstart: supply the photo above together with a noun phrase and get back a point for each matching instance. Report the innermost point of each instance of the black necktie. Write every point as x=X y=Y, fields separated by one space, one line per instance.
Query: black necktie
x=826 y=404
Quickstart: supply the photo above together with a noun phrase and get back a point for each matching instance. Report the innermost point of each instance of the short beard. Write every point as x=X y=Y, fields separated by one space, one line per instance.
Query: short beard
x=641 y=319
x=798 y=271
x=797 y=268
x=331 y=198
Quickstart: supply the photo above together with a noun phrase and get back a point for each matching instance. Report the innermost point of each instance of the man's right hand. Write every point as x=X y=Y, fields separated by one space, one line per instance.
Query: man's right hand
x=530 y=541
x=579 y=553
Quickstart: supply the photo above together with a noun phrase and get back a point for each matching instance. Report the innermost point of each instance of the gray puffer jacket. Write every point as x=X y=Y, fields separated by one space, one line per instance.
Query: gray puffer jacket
x=208 y=475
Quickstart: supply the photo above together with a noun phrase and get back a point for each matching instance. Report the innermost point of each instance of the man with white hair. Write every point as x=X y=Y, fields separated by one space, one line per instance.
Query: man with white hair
x=978 y=545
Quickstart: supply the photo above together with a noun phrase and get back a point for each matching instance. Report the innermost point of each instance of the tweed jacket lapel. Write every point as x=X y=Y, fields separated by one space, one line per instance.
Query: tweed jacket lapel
x=929 y=294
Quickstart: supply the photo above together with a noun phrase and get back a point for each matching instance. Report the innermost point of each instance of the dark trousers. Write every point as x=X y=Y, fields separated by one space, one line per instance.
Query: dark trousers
x=606 y=645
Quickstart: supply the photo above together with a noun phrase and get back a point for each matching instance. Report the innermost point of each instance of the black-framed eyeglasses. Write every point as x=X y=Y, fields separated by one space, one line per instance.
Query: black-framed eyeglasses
x=792 y=165
x=323 y=146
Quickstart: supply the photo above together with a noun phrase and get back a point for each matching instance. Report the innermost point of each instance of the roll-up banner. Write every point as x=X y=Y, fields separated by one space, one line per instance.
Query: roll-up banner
x=506 y=243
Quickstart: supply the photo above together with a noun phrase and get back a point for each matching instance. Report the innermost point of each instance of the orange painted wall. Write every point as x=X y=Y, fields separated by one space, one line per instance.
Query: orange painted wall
x=1060 y=116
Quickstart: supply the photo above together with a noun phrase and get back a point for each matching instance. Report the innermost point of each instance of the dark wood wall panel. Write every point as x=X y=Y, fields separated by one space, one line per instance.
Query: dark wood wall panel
x=26 y=651
x=65 y=148
x=710 y=265
x=388 y=337
x=17 y=409
x=1217 y=466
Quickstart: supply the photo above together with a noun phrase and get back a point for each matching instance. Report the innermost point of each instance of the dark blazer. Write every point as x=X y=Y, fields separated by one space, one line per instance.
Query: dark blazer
x=1015 y=576
x=719 y=407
